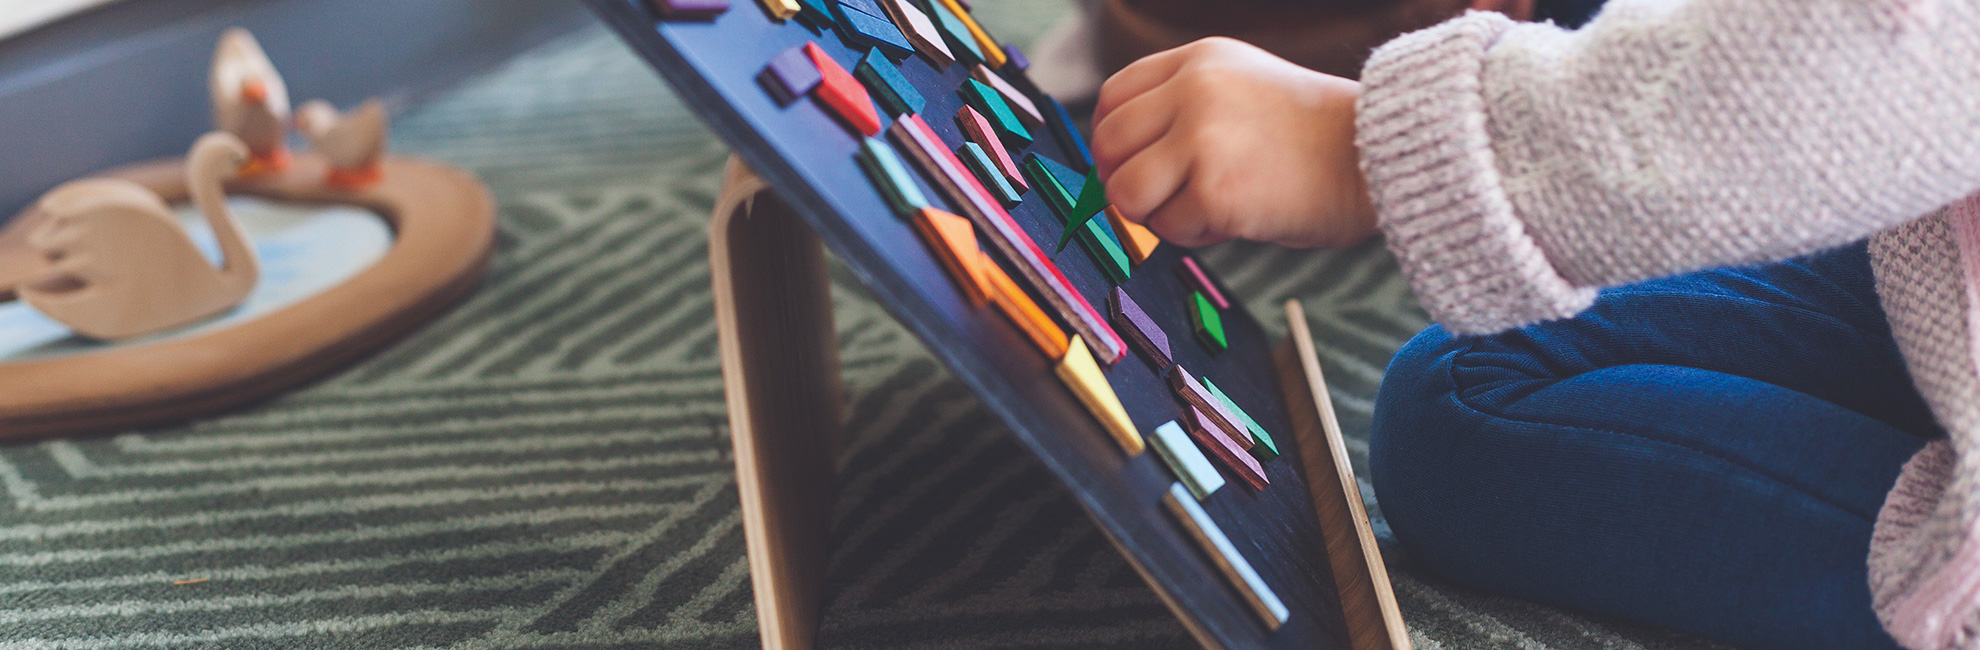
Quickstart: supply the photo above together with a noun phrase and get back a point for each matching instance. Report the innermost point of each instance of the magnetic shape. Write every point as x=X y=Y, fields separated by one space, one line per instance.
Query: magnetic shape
x=1098 y=240
x=1139 y=328
x=1227 y=452
x=1220 y=419
x=1016 y=57
x=1193 y=274
x=1061 y=124
x=868 y=7
x=689 y=9
x=1136 y=239
x=819 y=12
x=1209 y=326
x=789 y=75
x=887 y=83
x=1027 y=111
x=1185 y=460
x=920 y=31
x=956 y=33
x=1091 y=202
x=1039 y=170
x=780 y=9
x=1081 y=374
x=1071 y=180
x=979 y=131
x=1106 y=251
x=992 y=53
x=1225 y=555
x=891 y=176
x=874 y=31
x=993 y=106
x=954 y=242
x=1262 y=445
x=986 y=171
x=1012 y=301
x=841 y=93
x=941 y=165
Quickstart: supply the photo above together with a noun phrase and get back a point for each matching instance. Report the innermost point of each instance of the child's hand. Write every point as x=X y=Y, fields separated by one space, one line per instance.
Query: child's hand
x=1218 y=140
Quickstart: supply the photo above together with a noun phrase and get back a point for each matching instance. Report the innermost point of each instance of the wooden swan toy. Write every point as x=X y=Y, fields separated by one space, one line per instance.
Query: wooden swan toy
x=90 y=240
x=120 y=265
x=443 y=226
x=250 y=100
x=352 y=142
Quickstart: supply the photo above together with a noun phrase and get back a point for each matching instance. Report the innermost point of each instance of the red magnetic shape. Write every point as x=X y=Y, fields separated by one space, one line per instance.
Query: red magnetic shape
x=842 y=94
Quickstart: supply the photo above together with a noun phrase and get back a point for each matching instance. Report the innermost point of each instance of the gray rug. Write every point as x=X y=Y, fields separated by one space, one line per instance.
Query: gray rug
x=548 y=466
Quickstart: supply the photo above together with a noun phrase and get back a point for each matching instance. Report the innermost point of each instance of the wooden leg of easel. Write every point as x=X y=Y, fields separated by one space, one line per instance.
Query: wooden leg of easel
x=1367 y=601
x=780 y=370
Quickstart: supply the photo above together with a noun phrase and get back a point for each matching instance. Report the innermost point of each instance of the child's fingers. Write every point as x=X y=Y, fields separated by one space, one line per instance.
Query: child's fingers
x=1147 y=180
x=1137 y=78
x=1134 y=126
x=1180 y=220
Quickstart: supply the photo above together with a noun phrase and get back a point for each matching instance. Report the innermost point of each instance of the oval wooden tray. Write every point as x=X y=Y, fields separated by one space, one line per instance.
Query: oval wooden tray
x=443 y=227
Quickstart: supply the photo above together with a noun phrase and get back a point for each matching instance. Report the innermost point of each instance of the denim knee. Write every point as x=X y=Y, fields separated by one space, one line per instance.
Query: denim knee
x=1417 y=422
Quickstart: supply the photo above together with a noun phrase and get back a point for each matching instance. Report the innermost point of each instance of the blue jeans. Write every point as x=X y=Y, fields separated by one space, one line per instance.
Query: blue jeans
x=1704 y=452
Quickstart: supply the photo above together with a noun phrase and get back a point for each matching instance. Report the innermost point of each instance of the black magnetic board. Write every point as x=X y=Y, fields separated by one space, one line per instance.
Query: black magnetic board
x=809 y=157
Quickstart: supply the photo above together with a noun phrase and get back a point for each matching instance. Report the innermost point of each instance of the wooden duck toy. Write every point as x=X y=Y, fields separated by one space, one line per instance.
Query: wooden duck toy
x=119 y=264
x=250 y=100
x=352 y=142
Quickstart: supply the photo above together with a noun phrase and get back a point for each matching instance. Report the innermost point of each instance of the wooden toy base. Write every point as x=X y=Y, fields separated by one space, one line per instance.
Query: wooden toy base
x=780 y=371
x=444 y=228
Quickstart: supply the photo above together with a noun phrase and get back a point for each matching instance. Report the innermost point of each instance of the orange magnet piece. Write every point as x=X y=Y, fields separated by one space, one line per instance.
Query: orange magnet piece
x=1139 y=241
x=1011 y=299
x=954 y=243
x=842 y=95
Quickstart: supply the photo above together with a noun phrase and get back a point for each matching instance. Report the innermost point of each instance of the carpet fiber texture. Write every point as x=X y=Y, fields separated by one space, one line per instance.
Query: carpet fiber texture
x=548 y=466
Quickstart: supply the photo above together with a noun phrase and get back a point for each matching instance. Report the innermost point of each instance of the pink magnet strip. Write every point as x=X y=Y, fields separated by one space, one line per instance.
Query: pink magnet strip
x=1015 y=244
x=1194 y=275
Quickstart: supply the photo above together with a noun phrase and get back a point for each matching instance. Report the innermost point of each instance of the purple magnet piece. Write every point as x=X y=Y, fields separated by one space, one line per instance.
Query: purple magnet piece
x=1016 y=57
x=1146 y=335
x=790 y=75
x=1197 y=279
x=689 y=9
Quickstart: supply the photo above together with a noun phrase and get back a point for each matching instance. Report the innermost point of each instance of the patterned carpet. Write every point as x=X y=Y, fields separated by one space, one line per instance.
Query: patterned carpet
x=548 y=467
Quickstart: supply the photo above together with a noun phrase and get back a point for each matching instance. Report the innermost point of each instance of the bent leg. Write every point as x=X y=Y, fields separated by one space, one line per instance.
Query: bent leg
x=1705 y=453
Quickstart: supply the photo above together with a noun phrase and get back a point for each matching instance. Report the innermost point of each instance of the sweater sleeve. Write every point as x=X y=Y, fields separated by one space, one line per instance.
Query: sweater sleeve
x=1516 y=168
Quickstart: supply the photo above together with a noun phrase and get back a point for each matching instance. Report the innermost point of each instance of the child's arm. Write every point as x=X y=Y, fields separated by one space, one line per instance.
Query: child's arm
x=1517 y=167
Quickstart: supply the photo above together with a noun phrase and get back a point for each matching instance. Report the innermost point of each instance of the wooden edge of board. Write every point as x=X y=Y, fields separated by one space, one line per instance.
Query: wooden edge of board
x=1368 y=602
x=1184 y=616
x=780 y=376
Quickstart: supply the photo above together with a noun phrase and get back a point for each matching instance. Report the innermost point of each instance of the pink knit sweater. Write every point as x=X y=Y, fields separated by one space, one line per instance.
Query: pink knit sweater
x=1519 y=167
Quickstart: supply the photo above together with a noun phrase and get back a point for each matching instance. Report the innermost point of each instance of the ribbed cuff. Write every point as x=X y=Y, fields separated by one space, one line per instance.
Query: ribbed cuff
x=1430 y=171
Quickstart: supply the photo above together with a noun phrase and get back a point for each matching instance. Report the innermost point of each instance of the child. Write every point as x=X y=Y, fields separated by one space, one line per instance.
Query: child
x=1763 y=455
